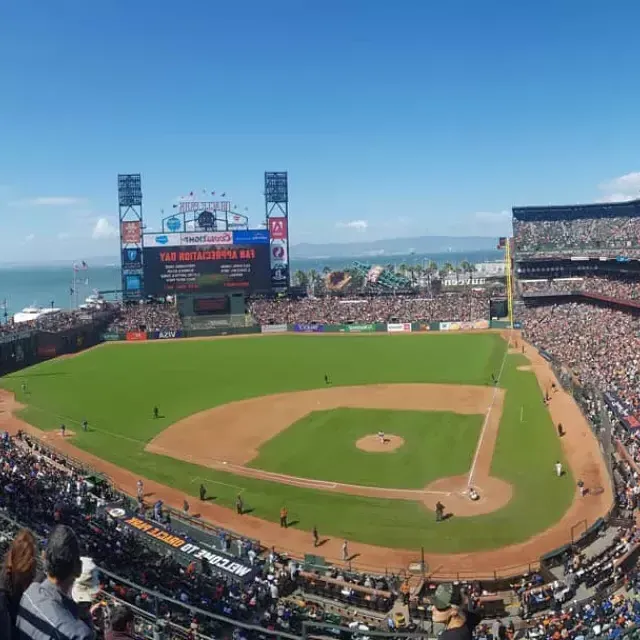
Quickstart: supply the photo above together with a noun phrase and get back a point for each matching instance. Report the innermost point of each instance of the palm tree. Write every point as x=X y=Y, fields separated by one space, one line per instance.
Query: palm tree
x=300 y=278
x=433 y=266
x=313 y=279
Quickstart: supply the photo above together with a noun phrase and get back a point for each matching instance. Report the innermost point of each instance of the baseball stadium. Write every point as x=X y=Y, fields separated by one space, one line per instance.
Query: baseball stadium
x=335 y=460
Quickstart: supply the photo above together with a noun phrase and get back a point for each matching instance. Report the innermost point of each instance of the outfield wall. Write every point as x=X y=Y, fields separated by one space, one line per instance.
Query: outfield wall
x=377 y=327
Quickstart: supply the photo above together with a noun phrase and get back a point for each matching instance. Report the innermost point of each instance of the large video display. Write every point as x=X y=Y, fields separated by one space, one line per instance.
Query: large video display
x=207 y=269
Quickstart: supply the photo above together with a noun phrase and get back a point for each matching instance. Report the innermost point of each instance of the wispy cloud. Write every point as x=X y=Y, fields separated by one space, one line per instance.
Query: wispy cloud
x=622 y=188
x=50 y=201
x=30 y=238
x=104 y=229
x=356 y=225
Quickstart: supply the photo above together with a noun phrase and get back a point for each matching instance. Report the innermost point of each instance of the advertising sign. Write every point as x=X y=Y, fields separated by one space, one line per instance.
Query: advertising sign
x=174 y=224
x=111 y=337
x=212 y=237
x=132 y=283
x=132 y=258
x=206 y=269
x=308 y=328
x=464 y=325
x=136 y=336
x=358 y=328
x=219 y=560
x=278 y=228
x=47 y=351
x=273 y=328
x=251 y=236
x=161 y=240
x=131 y=232
x=165 y=335
x=278 y=255
x=399 y=327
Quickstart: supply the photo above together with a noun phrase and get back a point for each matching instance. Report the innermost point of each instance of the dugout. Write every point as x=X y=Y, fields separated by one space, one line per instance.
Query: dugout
x=201 y=311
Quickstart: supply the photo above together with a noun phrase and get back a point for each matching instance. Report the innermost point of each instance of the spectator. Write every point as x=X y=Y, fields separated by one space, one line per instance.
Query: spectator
x=449 y=608
x=121 y=624
x=18 y=572
x=46 y=609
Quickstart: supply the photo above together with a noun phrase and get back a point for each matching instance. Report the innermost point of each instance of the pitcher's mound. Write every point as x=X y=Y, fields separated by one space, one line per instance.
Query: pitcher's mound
x=375 y=444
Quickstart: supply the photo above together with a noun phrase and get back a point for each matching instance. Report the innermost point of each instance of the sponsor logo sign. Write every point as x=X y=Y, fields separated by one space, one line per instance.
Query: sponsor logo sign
x=161 y=239
x=399 y=327
x=279 y=275
x=273 y=328
x=358 y=328
x=47 y=351
x=278 y=228
x=220 y=237
x=174 y=224
x=251 y=236
x=132 y=283
x=136 y=336
x=278 y=254
x=308 y=328
x=131 y=232
x=464 y=326
x=166 y=335
x=110 y=337
x=224 y=563
x=131 y=258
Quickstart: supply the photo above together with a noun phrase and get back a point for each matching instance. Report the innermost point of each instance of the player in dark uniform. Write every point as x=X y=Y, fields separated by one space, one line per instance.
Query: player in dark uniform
x=156 y=412
x=326 y=379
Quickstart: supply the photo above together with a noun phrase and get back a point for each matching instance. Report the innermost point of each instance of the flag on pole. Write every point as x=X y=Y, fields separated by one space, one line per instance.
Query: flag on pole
x=175 y=206
x=213 y=193
x=223 y=194
x=191 y=194
x=85 y=265
x=75 y=267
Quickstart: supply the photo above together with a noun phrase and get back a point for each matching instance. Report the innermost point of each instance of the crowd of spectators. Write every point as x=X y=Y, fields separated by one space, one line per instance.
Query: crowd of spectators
x=599 y=345
x=619 y=288
x=554 y=237
x=42 y=491
x=57 y=321
x=445 y=307
x=147 y=317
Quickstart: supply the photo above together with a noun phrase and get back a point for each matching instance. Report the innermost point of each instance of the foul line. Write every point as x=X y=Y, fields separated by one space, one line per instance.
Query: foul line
x=488 y=414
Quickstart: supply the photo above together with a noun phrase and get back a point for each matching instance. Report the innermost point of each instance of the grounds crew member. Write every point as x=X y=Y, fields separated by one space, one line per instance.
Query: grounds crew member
x=203 y=492
x=239 y=505
x=316 y=538
x=283 y=517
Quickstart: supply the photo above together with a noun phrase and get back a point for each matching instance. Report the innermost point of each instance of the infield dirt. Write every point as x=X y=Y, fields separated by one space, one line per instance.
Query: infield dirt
x=580 y=448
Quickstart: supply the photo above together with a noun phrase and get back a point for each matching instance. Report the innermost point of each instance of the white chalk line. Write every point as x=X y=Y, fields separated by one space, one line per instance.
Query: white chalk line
x=485 y=424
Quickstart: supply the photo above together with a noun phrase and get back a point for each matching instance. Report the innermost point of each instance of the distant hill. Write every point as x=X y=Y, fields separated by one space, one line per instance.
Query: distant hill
x=420 y=245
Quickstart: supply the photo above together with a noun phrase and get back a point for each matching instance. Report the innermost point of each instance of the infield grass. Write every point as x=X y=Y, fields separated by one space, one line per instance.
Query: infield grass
x=322 y=446
x=115 y=387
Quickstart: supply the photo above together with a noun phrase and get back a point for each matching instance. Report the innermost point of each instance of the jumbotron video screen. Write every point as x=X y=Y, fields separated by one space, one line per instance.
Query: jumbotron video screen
x=206 y=269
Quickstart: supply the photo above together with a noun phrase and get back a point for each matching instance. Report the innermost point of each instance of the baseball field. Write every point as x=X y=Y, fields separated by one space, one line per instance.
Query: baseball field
x=254 y=417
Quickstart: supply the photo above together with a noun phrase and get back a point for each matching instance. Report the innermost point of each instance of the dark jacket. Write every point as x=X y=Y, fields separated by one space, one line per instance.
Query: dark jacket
x=8 y=614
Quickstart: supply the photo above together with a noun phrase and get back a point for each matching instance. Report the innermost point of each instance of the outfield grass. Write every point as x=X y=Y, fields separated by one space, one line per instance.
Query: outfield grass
x=322 y=446
x=116 y=386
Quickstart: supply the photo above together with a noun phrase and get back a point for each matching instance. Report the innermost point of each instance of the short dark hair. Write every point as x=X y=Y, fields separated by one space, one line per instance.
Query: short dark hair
x=120 y=618
x=63 y=554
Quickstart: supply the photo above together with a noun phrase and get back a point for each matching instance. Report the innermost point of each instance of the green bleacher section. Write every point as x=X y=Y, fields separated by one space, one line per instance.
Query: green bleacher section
x=386 y=279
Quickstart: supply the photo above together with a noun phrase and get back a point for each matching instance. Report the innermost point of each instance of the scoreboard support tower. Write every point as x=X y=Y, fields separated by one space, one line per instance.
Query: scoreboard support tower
x=276 y=205
x=131 y=228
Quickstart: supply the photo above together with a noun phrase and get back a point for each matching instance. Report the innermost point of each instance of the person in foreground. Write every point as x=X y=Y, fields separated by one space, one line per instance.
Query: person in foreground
x=451 y=609
x=18 y=572
x=47 y=611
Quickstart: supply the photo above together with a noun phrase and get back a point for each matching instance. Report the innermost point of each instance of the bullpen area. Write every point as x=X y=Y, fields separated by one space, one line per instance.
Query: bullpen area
x=360 y=436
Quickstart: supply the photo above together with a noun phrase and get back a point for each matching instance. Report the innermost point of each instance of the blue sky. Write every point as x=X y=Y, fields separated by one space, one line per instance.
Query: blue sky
x=393 y=119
